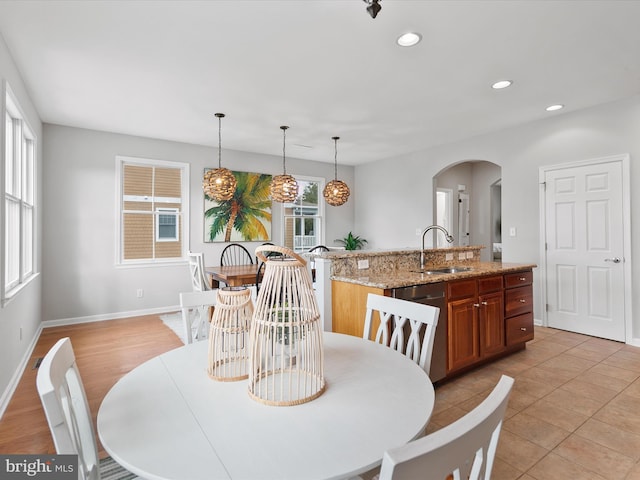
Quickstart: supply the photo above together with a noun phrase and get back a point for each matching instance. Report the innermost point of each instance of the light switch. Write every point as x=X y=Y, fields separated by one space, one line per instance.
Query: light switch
x=362 y=264
x=512 y=232
x=448 y=257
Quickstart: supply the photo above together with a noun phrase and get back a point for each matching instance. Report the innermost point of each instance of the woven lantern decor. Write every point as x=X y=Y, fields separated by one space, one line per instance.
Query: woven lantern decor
x=286 y=365
x=284 y=188
x=219 y=184
x=336 y=192
x=229 y=335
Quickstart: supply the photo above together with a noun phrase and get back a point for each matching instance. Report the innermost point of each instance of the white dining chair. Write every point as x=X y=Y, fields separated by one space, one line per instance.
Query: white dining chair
x=196 y=269
x=65 y=405
x=464 y=449
x=195 y=313
x=396 y=318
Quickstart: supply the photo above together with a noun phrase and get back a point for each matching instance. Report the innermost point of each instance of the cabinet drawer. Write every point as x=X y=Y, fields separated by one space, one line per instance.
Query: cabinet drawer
x=519 y=329
x=517 y=301
x=461 y=289
x=518 y=279
x=489 y=284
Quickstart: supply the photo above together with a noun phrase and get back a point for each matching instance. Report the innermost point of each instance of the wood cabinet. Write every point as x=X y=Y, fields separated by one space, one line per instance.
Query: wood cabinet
x=518 y=309
x=475 y=321
x=485 y=316
x=349 y=307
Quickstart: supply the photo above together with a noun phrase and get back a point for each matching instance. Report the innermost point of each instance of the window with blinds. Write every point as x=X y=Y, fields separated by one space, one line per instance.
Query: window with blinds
x=154 y=196
x=19 y=198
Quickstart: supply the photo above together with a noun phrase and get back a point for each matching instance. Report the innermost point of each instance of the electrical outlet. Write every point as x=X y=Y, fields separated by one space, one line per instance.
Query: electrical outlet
x=418 y=232
x=140 y=293
x=512 y=232
x=362 y=264
x=448 y=257
x=469 y=254
x=462 y=256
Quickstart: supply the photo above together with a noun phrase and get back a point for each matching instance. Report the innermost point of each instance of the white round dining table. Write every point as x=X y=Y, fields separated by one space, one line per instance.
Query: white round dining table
x=166 y=419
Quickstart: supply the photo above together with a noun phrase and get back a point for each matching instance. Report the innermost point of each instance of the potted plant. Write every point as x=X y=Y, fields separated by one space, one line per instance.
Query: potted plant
x=352 y=242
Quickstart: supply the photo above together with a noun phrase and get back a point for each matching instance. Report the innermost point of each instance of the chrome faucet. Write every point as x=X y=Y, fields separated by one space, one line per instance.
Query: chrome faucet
x=447 y=236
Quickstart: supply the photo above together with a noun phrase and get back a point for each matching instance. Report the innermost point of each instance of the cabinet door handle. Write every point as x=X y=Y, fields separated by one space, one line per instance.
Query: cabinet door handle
x=522 y=300
x=484 y=303
x=477 y=305
x=523 y=329
x=522 y=279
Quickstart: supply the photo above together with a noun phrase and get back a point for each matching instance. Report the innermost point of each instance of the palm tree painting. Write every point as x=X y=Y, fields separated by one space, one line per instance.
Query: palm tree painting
x=246 y=217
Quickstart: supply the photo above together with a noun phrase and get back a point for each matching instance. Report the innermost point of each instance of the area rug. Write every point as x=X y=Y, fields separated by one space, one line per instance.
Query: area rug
x=110 y=470
x=173 y=320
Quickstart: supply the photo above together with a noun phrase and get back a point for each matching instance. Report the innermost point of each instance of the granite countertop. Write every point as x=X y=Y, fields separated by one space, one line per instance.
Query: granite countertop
x=406 y=278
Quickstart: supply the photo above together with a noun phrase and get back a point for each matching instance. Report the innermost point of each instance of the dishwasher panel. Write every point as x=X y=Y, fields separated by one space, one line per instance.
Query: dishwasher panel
x=431 y=294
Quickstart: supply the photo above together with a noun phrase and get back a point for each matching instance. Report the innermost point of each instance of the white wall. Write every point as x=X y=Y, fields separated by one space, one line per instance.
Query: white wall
x=80 y=279
x=388 y=216
x=22 y=313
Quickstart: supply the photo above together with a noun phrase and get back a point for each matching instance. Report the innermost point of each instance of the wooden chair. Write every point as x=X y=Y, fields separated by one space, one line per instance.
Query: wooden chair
x=406 y=315
x=65 y=405
x=196 y=268
x=464 y=449
x=195 y=313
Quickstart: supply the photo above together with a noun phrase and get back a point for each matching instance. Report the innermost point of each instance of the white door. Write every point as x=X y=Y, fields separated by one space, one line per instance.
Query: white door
x=585 y=249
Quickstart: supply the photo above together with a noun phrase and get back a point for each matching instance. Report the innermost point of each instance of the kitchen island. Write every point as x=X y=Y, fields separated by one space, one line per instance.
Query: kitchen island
x=486 y=308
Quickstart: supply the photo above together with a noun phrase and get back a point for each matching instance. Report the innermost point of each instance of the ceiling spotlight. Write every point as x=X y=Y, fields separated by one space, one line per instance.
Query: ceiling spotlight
x=553 y=108
x=409 y=39
x=373 y=7
x=501 y=84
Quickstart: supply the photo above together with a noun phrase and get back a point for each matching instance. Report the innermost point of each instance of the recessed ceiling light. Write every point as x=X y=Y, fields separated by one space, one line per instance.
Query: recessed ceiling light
x=502 y=84
x=409 y=39
x=553 y=108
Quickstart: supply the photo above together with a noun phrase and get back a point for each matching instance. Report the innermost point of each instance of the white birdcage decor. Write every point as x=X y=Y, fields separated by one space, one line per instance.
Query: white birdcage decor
x=286 y=365
x=229 y=335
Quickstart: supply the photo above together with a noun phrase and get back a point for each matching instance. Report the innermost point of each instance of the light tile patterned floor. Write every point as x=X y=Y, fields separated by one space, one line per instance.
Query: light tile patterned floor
x=574 y=411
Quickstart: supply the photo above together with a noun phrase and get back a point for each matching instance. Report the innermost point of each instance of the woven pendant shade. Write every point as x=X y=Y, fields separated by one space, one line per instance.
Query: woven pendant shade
x=229 y=335
x=284 y=188
x=336 y=193
x=286 y=364
x=219 y=184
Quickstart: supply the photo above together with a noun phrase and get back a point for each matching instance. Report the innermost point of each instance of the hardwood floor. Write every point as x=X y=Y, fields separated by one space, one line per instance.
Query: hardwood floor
x=105 y=351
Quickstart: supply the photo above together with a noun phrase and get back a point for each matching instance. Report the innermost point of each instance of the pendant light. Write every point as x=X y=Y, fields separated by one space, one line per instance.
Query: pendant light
x=336 y=192
x=284 y=188
x=219 y=184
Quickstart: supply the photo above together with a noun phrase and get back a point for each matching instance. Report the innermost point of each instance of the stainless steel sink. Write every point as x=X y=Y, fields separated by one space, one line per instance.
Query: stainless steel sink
x=443 y=271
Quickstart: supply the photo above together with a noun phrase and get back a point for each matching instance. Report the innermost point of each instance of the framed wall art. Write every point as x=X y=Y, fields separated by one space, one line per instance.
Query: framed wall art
x=246 y=217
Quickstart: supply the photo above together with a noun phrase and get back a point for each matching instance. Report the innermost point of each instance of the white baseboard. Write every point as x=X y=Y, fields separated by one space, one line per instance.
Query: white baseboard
x=17 y=375
x=108 y=316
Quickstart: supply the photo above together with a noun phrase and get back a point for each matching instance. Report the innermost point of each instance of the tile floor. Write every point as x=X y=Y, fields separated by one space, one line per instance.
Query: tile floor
x=574 y=411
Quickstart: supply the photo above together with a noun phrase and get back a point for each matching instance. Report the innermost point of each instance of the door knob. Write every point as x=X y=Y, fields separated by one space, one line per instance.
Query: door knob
x=614 y=260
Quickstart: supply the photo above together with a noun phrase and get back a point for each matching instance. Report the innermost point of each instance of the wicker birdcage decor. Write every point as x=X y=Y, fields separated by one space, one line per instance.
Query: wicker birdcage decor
x=229 y=335
x=286 y=365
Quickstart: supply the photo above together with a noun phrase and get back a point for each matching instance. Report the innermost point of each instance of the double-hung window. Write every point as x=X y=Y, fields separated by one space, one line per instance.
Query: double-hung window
x=153 y=198
x=304 y=218
x=19 y=197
